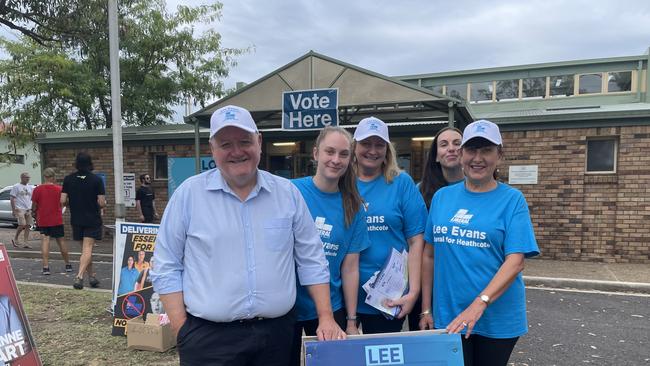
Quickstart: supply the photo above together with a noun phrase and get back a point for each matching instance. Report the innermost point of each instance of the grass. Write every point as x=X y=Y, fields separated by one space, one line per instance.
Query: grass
x=72 y=327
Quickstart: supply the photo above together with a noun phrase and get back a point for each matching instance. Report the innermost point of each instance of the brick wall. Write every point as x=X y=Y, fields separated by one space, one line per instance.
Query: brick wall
x=576 y=216
x=584 y=217
x=137 y=158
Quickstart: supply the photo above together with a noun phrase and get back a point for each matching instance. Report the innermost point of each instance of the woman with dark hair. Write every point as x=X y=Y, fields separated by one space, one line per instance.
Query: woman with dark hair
x=396 y=220
x=335 y=205
x=443 y=163
x=442 y=168
x=478 y=235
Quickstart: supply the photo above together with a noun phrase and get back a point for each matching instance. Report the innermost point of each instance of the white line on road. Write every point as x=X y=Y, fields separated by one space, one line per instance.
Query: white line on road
x=588 y=291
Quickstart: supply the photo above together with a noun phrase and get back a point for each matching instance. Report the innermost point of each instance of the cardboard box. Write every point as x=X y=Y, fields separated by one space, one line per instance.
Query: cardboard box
x=149 y=335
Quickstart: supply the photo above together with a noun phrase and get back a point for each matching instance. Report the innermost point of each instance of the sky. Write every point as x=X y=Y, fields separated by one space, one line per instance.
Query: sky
x=416 y=37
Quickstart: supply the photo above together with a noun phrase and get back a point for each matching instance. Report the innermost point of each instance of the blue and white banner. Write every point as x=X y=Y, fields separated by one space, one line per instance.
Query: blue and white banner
x=407 y=348
x=310 y=109
x=179 y=169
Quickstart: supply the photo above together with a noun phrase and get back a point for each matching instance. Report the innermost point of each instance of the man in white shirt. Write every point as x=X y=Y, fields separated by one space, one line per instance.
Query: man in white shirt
x=21 y=205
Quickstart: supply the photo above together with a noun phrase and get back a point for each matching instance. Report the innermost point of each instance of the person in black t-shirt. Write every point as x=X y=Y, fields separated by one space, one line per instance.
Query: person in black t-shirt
x=84 y=192
x=145 y=200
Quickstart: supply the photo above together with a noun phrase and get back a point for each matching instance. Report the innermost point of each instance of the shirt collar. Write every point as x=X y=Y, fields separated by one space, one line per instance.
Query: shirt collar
x=215 y=181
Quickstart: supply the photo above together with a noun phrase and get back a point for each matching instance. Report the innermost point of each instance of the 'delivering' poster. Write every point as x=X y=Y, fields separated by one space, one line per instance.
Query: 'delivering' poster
x=133 y=293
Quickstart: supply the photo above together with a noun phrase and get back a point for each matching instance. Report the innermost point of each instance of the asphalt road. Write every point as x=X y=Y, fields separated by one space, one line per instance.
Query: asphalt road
x=30 y=270
x=579 y=328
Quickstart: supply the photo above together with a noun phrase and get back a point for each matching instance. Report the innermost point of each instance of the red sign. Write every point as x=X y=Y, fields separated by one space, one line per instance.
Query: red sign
x=16 y=343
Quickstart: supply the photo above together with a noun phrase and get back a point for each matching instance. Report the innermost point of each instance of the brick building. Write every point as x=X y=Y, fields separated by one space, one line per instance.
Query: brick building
x=578 y=131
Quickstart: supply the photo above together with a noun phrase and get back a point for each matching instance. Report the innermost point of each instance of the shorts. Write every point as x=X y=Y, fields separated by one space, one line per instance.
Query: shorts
x=81 y=232
x=52 y=231
x=25 y=217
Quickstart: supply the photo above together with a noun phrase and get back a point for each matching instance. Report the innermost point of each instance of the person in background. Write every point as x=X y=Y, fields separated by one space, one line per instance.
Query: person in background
x=21 y=205
x=230 y=244
x=145 y=200
x=478 y=234
x=46 y=207
x=396 y=217
x=84 y=192
x=441 y=168
x=336 y=207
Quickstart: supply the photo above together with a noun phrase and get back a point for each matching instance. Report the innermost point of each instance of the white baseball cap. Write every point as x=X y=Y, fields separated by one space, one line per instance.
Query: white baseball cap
x=231 y=115
x=371 y=126
x=484 y=129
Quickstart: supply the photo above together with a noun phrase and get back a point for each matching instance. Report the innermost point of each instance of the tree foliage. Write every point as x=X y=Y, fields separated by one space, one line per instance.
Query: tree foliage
x=65 y=85
x=43 y=20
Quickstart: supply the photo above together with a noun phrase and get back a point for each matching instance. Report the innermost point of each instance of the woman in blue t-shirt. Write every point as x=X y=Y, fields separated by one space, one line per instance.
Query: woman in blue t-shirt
x=335 y=205
x=396 y=217
x=441 y=169
x=480 y=232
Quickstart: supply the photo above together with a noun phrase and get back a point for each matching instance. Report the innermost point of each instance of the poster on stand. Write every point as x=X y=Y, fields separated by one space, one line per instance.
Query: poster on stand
x=133 y=293
x=17 y=346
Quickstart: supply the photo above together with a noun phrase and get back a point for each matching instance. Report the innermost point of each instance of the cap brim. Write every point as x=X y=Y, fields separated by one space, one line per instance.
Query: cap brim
x=233 y=125
x=482 y=138
x=365 y=136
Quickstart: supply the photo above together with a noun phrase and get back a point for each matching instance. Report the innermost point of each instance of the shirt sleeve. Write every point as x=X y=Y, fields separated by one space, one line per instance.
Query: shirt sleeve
x=65 y=186
x=14 y=191
x=168 y=255
x=519 y=235
x=414 y=210
x=35 y=195
x=138 y=194
x=359 y=239
x=101 y=190
x=311 y=264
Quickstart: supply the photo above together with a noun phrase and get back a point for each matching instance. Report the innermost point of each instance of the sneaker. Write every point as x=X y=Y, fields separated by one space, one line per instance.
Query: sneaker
x=46 y=271
x=94 y=282
x=78 y=283
x=68 y=268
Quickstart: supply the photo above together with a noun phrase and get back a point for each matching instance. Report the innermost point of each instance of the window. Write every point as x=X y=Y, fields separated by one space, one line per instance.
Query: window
x=533 y=88
x=14 y=159
x=601 y=155
x=619 y=81
x=561 y=86
x=481 y=91
x=507 y=89
x=458 y=91
x=160 y=167
x=590 y=83
x=434 y=88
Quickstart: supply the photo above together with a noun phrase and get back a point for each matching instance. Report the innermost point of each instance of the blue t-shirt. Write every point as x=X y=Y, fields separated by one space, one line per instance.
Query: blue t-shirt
x=128 y=277
x=327 y=211
x=395 y=212
x=472 y=234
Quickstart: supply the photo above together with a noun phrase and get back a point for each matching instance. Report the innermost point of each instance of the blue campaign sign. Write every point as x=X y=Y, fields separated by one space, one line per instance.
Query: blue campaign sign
x=179 y=169
x=407 y=350
x=310 y=109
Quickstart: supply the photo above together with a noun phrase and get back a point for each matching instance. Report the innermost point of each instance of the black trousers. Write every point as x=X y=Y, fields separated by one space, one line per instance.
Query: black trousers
x=414 y=315
x=377 y=323
x=483 y=351
x=310 y=327
x=240 y=343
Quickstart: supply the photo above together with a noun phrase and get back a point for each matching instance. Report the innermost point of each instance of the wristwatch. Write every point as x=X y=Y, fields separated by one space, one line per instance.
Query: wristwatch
x=485 y=298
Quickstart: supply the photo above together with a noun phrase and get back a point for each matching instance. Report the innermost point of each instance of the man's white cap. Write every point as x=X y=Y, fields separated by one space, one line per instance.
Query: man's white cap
x=482 y=128
x=231 y=115
x=371 y=126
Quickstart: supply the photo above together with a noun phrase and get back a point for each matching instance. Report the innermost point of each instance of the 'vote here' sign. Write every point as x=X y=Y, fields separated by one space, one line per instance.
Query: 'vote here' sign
x=310 y=109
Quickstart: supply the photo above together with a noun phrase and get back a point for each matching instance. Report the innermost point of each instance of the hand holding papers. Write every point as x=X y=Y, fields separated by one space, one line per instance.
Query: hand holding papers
x=390 y=283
